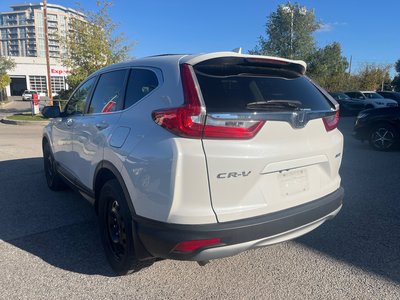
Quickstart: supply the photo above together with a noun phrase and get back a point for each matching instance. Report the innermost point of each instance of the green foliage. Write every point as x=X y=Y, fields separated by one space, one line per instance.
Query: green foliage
x=289 y=30
x=327 y=67
x=396 y=83
x=92 y=44
x=371 y=76
x=4 y=80
x=6 y=64
x=397 y=66
x=396 y=80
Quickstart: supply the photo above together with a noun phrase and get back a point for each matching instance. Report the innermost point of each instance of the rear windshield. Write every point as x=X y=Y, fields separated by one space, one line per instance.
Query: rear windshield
x=229 y=85
x=373 y=95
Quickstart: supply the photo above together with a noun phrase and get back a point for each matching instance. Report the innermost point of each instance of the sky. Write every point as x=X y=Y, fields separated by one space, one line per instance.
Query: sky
x=367 y=30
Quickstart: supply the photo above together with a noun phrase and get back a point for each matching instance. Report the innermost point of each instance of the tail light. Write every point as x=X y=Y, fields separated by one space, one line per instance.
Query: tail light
x=189 y=120
x=331 y=122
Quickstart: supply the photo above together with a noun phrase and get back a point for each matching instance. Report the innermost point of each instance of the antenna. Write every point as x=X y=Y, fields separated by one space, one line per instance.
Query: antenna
x=238 y=50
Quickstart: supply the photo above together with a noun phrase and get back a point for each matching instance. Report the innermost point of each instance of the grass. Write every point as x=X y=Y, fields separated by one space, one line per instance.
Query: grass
x=27 y=117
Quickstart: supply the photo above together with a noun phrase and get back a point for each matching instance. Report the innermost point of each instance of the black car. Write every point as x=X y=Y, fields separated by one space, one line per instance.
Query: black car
x=390 y=95
x=379 y=126
x=348 y=106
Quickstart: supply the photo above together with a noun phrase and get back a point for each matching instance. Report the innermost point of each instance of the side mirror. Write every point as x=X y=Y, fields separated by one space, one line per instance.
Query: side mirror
x=51 y=111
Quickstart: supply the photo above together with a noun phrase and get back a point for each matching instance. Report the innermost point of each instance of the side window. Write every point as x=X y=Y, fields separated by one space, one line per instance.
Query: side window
x=108 y=95
x=141 y=82
x=77 y=102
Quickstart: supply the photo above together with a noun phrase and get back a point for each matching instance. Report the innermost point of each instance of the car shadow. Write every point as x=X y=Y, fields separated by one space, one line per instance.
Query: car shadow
x=58 y=227
x=366 y=233
x=61 y=228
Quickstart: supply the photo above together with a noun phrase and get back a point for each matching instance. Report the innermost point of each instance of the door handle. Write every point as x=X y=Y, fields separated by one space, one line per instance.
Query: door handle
x=102 y=125
x=70 y=122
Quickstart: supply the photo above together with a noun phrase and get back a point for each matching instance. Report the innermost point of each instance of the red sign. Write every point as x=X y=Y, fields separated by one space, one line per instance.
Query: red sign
x=59 y=71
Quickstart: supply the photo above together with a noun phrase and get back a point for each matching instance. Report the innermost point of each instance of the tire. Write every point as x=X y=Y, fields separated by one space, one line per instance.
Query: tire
x=116 y=230
x=383 y=137
x=53 y=178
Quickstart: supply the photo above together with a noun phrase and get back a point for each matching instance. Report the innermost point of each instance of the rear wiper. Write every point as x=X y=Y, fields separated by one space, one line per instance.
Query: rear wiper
x=274 y=105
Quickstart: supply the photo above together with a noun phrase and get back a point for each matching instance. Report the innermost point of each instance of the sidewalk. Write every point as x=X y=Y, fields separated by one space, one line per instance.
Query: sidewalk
x=16 y=106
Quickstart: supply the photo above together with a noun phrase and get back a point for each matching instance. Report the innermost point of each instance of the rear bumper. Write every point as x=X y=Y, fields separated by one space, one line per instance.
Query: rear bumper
x=160 y=239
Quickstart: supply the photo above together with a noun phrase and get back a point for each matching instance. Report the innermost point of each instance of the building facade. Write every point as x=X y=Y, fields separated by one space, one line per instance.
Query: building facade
x=22 y=38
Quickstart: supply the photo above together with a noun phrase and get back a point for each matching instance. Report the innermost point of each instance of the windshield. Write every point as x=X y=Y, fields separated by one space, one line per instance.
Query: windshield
x=231 y=88
x=371 y=95
x=340 y=96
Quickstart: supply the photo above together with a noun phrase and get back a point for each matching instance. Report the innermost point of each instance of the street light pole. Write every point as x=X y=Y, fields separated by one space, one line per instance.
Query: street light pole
x=291 y=33
x=46 y=46
x=291 y=10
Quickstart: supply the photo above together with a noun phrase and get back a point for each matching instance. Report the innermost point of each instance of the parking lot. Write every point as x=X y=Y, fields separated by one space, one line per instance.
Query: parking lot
x=50 y=246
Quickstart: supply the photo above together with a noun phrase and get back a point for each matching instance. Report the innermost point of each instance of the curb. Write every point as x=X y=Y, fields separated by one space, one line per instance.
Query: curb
x=24 y=123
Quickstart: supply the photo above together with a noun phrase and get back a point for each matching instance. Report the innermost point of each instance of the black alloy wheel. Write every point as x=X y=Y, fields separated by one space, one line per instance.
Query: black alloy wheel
x=383 y=137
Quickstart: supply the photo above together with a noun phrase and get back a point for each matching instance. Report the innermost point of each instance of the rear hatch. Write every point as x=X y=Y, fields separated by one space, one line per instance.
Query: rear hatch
x=270 y=136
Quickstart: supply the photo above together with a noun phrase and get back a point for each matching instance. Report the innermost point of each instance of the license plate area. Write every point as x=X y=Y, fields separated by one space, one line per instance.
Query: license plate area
x=293 y=182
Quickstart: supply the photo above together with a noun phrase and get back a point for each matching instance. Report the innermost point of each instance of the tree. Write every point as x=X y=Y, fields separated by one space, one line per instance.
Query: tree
x=289 y=33
x=92 y=44
x=328 y=67
x=396 y=83
x=396 y=79
x=6 y=64
x=373 y=76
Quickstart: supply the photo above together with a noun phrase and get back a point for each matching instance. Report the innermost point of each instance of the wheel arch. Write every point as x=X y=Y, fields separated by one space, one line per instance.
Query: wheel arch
x=104 y=172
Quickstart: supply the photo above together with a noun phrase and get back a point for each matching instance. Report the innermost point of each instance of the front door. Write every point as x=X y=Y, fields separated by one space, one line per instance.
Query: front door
x=64 y=127
x=94 y=128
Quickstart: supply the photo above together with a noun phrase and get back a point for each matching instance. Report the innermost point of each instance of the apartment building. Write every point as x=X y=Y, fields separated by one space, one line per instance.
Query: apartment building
x=22 y=38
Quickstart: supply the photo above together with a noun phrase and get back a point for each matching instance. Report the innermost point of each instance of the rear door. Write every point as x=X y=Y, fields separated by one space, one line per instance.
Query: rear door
x=292 y=159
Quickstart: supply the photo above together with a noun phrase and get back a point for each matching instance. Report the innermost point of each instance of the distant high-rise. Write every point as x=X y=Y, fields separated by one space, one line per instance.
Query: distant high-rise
x=22 y=38
x=22 y=29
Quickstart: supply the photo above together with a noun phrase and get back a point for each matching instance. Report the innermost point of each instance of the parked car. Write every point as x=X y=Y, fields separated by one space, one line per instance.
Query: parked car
x=197 y=157
x=371 y=99
x=380 y=127
x=390 y=95
x=348 y=106
x=27 y=95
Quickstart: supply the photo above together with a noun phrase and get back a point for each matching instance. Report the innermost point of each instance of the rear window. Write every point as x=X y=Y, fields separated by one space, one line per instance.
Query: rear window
x=373 y=95
x=228 y=85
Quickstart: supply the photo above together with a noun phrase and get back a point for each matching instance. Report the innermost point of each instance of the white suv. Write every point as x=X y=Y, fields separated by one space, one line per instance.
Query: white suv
x=372 y=99
x=196 y=157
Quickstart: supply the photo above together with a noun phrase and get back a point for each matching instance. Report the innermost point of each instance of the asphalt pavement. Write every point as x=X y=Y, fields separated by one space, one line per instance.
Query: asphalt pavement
x=50 y=246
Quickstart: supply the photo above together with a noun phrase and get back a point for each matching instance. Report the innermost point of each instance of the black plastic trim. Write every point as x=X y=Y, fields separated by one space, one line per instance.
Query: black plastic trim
x=160 y=238
x=74 y=182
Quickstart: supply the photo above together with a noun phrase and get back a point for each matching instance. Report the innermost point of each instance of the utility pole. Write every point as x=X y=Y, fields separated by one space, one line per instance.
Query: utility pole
x=351 y=59
x=46 y=46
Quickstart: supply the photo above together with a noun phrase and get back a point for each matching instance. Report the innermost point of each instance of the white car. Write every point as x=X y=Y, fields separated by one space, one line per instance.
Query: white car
x=27 y=95
x=197 y=157
x=372 y=99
